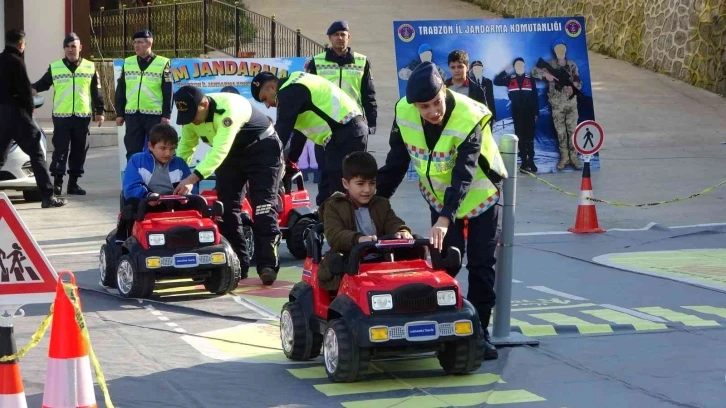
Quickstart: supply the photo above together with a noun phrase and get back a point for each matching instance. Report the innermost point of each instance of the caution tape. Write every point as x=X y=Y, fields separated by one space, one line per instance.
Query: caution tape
x=40 y=333
x=622 y=204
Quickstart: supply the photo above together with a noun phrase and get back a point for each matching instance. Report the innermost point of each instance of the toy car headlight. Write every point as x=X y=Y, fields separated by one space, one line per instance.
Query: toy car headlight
x=156 y=239
x=206 y=236
x=446 y=297
x=381 y=302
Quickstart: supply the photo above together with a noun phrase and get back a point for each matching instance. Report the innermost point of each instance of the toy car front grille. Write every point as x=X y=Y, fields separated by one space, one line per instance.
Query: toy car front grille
x=405 y=304
x=182 y=237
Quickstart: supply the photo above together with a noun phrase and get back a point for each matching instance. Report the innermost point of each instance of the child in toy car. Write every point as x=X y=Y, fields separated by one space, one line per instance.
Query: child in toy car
x=153 y=172
x=357 y=216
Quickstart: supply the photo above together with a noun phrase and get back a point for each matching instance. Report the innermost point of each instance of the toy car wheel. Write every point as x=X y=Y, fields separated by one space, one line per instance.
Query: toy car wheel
x=296 y=240
x=295 y=334
x=131 y=283
x=344 y=360
x=462 y=356
x=249 y=240
x=107 y=267
x=226 y=279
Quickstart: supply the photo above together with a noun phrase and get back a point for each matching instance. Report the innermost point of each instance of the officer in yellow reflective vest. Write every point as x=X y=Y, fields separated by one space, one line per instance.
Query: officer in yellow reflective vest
x=309 y=106
x=351 y=71
x=447 y=137
x=245 y=148
x=76 y=98
x=143 y=93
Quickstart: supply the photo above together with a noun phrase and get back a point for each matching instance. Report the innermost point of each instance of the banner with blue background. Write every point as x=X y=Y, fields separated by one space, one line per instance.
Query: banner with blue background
x=497 y=46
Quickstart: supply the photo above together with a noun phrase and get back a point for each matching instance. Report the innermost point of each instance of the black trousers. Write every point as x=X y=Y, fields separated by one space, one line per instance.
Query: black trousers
x=17 y=124
x=260 y=167
x=524 y=128
x=481 y=244
x=137 y=127
x=350 y=138
x=71 y=132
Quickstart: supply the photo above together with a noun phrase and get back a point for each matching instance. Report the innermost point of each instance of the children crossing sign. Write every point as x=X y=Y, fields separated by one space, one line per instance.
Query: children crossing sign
x=26 y=276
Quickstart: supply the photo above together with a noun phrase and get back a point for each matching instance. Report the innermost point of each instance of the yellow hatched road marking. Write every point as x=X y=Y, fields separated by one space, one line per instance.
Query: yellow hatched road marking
x=583 y=326
x=448 y=400
x=688 y=320
x=624 y=318
x=534 y=329
x=525 y=309
x=718 y=311
x=366 y=387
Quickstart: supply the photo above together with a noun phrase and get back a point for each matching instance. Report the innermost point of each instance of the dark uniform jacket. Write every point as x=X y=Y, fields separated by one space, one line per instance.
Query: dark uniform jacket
x=468 y=159
x=367 y=91
x=342 y=233
x=166 y=88
x=46 y=82
x=480 y=95
x=522 y=94
x=14 y=83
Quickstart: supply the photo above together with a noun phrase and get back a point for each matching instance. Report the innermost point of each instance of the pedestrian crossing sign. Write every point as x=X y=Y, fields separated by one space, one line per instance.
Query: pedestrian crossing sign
x=26 y=276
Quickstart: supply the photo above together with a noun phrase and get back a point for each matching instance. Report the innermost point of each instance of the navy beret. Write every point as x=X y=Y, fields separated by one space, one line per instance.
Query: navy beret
x=187 y=100
x=518 y=59
x=259 y=81
x=143 y=34
x=424 y=83
x=341 y=25
x=476 y=64
x=70 y=38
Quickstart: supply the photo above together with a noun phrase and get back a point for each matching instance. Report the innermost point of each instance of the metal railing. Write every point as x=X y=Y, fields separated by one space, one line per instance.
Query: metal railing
x=194 y=28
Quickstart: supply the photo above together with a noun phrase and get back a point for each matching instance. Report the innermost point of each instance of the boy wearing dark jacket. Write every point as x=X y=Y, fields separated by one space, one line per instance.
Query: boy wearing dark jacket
x=358 y=216
x=152 y=173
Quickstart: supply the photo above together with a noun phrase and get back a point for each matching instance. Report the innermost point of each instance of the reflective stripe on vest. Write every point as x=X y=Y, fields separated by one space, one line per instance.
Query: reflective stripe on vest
x=335 y=104
x=348 y=77
x=143 y=88
x=435 y=167
x=72 y=90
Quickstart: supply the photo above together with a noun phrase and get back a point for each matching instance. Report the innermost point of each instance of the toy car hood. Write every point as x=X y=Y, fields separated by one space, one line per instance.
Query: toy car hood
x=403 y=275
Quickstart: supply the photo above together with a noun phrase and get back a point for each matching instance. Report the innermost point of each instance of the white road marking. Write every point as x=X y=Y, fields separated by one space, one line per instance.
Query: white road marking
x=516 y=281
x=262 y=311
x=634 y=313
x=545 y=289
x=163 y=318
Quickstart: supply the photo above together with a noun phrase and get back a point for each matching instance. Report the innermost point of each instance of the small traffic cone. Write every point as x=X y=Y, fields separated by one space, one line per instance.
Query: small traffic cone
x=586 y=219
x=12 y=393
x=68 y=381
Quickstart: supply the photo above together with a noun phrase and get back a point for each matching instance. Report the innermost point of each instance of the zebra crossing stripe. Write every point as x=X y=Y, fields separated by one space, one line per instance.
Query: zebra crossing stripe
x=365 y=387
x=718 y=311
x=583 y=326
x=448 y=400
x=617 y=317
x=531 y=309
x=688 y=320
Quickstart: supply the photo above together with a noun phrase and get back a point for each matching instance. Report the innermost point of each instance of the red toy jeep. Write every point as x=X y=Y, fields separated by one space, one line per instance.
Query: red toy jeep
x=170 y=245
x=381 y=309
x=294 y=218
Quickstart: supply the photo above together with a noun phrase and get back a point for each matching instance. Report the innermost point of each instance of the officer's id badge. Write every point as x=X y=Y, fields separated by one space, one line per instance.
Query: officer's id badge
x=227 y=122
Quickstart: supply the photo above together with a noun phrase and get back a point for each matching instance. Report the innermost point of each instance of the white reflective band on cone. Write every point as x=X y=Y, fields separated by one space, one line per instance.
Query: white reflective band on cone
x=584 y=194
x=13 y=400
x=72 y=384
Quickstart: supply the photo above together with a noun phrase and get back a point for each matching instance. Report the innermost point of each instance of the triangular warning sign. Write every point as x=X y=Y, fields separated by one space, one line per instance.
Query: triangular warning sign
x=26 y=276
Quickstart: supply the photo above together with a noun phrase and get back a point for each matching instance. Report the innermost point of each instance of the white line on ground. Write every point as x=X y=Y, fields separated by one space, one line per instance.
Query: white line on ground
x=163 y=318
x=516 y=281
x=73 y=253
x=634 y=313
x=267 y=314
x=545 y=289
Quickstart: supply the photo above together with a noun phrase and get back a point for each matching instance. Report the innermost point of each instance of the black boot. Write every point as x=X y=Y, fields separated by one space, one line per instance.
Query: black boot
x=58 y=185
x=268 y=276
x=490 y=352
x=53 y=202
x=530 y=153
x=74 y=188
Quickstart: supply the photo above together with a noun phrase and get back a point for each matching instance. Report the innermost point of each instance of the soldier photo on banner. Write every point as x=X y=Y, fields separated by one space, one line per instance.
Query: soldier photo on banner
x=539 y=70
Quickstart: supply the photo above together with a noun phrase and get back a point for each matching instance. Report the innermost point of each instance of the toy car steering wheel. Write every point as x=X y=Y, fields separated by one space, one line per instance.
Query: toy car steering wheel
x=388 y=253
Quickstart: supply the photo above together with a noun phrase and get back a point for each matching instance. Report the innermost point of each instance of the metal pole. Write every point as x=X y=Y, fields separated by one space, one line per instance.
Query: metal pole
x=501 y=335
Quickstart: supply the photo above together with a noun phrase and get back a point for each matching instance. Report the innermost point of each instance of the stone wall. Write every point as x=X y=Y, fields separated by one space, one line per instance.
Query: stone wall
x=685 y=39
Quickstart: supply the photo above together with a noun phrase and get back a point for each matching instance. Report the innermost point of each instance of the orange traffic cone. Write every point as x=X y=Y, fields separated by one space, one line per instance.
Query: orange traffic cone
x=68 y=381
x=12 y=393
x=586 y=220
